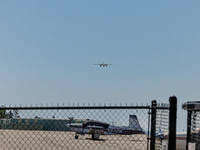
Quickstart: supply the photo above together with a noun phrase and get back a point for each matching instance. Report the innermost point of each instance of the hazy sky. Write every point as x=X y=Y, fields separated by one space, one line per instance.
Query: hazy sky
x=47 y=51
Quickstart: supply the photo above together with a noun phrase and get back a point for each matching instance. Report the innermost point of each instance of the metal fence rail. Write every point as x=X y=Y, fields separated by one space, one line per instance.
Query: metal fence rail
x=49 y=127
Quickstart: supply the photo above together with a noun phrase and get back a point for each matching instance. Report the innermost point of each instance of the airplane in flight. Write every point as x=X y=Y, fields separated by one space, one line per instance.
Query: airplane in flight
x=96 y=128
x=103 y=64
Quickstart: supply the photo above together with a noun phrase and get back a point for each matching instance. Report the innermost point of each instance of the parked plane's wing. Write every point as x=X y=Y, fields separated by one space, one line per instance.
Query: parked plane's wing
x=96 y=131
x=93 y=128
x=96 y=127
x=95 y=124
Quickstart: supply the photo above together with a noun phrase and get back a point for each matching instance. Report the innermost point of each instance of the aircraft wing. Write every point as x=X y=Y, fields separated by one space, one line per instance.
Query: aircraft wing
x=95 y=124
x=96 y=130
x=97 y=64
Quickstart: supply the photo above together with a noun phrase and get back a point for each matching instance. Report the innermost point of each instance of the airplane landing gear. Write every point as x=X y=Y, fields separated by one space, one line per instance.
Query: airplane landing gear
x=76 y=136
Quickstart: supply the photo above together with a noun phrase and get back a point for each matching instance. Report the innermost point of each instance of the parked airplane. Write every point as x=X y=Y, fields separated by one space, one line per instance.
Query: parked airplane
x=96 y=128
x=103 y=64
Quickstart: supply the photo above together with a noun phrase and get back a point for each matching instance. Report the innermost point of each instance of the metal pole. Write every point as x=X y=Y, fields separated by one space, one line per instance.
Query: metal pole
x=189 y=113
x=172 y=123
x=148 y=130
x=153 y=124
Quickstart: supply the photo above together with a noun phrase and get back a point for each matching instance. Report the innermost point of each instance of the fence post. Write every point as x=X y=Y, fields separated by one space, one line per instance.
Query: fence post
x=172 y=123
x=153 y=124
x=189 y=113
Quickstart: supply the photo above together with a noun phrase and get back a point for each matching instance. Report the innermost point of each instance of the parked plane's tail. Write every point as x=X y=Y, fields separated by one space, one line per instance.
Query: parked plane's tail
x=134 y=123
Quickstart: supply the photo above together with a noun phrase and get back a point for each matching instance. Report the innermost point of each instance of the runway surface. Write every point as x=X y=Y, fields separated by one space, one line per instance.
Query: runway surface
x=56 y=140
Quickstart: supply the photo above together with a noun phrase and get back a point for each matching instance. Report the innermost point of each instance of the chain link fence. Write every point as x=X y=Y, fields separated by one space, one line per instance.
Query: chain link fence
x=195 y=132
x=162 y=124
x=159 y=125
x=193 y=125
x=88 y=127
x=59 y=127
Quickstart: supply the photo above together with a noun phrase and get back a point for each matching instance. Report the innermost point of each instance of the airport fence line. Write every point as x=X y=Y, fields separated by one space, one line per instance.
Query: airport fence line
x=163 y=125
x=193 y=124
x=159 y=124
x=49 y=127
x=66 y=127
x=194 y=129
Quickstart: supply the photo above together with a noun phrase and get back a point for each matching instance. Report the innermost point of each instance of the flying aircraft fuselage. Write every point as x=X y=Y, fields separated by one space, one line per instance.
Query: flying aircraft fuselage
x=103 y=64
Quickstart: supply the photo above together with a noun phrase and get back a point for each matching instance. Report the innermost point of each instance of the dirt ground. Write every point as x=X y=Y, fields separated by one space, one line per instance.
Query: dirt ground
x=55 y=140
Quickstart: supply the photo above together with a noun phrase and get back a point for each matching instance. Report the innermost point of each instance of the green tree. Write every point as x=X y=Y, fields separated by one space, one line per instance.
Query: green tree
x=2 y=112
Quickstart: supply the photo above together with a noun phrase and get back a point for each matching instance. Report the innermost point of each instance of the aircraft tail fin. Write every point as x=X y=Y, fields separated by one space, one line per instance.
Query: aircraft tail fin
x=134 y=123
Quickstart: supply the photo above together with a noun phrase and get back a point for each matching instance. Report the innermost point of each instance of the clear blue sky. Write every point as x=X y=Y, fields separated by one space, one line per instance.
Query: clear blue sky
x=47 y=51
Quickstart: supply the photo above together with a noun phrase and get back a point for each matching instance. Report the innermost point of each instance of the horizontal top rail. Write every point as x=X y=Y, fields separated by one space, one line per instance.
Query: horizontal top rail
x=191 y=106
x=193 y=102
x=160 y=107
x=77 y=107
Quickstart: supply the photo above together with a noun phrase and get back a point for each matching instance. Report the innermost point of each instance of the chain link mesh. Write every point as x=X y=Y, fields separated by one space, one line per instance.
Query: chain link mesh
x=38 y=128
x=195 y=130
x=162 y=124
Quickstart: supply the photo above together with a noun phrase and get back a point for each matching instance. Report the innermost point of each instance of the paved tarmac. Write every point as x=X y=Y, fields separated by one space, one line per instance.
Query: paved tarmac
x=56 y=140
